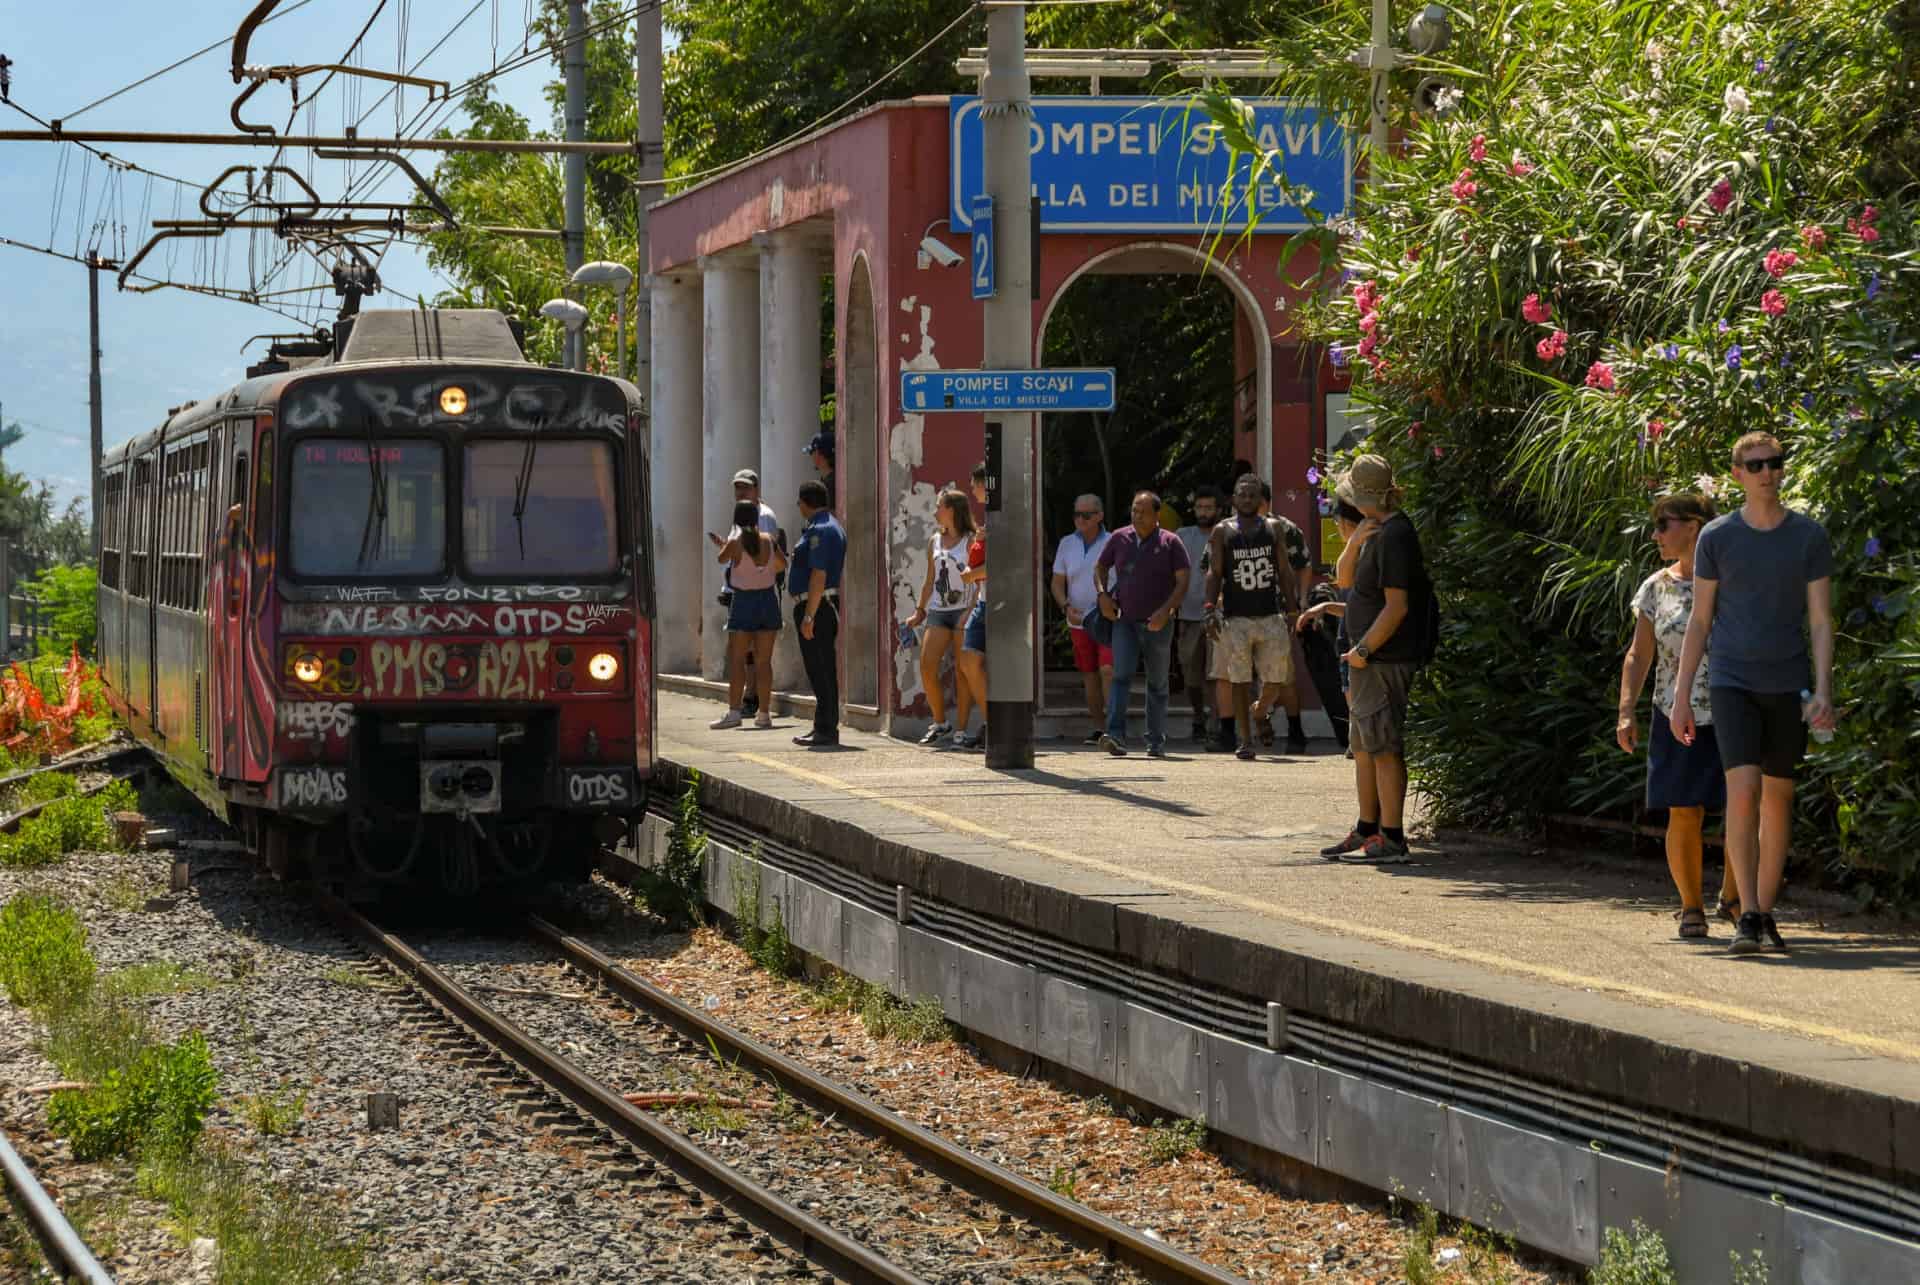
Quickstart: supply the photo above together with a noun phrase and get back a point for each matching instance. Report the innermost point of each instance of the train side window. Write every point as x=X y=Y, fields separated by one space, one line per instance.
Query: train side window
x=263 y=493
x=140 y=533
x=112 y=522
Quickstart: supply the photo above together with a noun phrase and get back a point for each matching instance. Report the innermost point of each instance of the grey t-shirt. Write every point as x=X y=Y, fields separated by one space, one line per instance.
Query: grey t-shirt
x=1759 y=641
x=1194 y=605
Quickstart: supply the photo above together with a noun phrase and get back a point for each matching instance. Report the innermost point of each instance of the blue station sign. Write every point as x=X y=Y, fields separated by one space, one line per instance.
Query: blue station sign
x=925 y=392
x=1153 y=165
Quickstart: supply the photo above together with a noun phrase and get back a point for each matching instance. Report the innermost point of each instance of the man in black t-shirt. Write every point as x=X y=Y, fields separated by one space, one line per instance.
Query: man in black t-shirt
x=1386 y=577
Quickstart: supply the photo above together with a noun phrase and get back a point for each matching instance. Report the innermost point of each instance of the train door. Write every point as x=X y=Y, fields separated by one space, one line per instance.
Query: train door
x=227 y=613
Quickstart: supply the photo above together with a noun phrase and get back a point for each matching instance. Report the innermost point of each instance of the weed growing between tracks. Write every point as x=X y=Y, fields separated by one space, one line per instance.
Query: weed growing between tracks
x=885 y=1015
x=69 y=823
x=146 y=1101
x=673 y=890
x=1172 y=1139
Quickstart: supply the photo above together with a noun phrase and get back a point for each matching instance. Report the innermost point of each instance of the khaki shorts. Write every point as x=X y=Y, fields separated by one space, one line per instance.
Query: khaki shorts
x=1253 y=644
x=1377 y=706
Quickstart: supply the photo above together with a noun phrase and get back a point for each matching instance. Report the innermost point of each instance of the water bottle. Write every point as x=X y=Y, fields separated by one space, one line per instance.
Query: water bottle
x=1820 y=734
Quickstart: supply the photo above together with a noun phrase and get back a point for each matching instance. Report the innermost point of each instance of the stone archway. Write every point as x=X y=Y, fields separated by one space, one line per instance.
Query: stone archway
x=858 y=484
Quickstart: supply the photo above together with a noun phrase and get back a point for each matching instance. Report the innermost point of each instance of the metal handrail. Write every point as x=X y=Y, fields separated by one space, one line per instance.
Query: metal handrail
x=65 y=1250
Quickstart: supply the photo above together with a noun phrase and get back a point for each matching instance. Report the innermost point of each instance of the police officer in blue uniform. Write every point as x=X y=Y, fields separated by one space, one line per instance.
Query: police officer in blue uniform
x=814 y=576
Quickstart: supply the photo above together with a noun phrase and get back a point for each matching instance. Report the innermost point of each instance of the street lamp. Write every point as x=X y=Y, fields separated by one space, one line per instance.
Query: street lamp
x=573 y=316
x=604 y=272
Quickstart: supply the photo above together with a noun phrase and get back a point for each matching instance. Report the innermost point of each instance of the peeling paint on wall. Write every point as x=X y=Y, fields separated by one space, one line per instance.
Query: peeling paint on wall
x=911 y=525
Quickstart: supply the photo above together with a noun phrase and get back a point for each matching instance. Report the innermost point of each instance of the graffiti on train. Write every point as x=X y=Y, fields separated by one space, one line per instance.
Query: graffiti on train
x=312 y=787
x=504 y=622
x=412 y=670
x=403 y=402
x=591 y=787
x=315 y=720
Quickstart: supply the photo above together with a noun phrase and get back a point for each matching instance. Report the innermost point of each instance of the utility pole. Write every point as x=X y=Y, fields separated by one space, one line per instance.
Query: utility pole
x=95 y=266
x=1012 y=564
x=650 y=139
x=1380 y=61
x=575 y=232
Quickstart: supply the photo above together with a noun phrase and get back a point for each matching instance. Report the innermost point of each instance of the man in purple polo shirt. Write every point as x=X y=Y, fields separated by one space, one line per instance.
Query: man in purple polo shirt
x=1151 y=570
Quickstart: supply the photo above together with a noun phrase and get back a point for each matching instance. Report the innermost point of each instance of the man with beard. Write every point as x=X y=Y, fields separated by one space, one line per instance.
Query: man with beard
x=1250 y=591
x=1192 y=640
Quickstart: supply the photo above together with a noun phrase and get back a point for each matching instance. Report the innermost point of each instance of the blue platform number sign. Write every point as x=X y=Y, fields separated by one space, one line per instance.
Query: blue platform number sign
x=982 y=260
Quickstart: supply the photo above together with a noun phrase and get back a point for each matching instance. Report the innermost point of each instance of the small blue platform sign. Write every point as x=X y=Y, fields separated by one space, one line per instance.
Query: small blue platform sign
x=924 y=392
x=982 y=259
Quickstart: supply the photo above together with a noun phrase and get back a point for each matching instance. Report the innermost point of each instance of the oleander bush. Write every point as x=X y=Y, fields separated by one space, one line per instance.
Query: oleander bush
x=1643 y=230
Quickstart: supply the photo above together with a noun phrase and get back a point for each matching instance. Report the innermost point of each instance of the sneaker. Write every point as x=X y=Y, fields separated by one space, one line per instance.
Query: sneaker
x=1263 y=726
x=1156 y=751
x=729 y=719
x=1746 y=937
x=935 y=732
x=763 y=719
x=1245 y=752
x=1093 y=737
x=1770 y=931
x=1378 y=850
x=1112 y=746
x=1352 y=843
x=966 y=741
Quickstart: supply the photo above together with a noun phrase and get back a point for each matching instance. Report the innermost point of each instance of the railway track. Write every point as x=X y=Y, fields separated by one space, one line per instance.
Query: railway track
x=66 y=1253
x=854 y=1188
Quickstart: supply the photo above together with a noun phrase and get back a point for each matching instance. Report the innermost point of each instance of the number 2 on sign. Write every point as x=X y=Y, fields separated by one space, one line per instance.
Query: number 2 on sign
x=982 y=263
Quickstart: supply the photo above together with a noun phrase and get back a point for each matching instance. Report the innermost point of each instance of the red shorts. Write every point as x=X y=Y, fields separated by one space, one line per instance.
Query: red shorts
x=1089 y=656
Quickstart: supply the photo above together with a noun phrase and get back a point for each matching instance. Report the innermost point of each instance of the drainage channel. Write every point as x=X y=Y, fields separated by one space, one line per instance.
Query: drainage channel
x=1072 y=1221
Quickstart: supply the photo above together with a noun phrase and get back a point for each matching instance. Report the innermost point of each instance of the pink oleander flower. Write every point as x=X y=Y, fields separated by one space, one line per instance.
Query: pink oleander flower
x=1464 y=188
x=1681 y=223
x=1656 y=427
x=1869 y=234
x=1413 y=254
x=1779 y=262
x=1439 y=452
x=1535 y=311
x=1368 y=343
x=1478 y=148
x=1868 y=214
x=1721 y=196
x=1519 y=168
x=1369 y=322
x=1773 y=303
x=1366 y=296
x=1553 y=347
x=1814 y=237
x=1600 y=375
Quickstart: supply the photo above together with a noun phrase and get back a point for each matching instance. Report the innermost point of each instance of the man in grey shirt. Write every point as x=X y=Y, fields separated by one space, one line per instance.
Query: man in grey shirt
x=1757 y=573
x=1192 y=640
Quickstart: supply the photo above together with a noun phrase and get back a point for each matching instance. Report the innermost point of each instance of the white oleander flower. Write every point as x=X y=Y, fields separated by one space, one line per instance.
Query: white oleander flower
x=1738 y=104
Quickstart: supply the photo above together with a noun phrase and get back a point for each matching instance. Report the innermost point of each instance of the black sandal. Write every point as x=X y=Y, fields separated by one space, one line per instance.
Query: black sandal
x=1693 y=922
x=1728 y=910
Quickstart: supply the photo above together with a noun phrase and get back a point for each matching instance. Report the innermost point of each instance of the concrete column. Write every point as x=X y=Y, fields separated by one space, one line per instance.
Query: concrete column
x=790 y=269
x=730 y=427
x=674 y=404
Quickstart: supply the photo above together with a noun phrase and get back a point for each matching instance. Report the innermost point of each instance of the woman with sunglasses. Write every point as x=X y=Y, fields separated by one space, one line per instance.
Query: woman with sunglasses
x=1686 y=780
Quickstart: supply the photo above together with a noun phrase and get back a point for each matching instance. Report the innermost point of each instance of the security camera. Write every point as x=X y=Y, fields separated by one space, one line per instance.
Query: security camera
x=1430 y=30
x=932 y=248
x=1436 y=97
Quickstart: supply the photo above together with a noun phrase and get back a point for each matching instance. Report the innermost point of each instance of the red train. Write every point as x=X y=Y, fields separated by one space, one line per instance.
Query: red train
x=390 y=611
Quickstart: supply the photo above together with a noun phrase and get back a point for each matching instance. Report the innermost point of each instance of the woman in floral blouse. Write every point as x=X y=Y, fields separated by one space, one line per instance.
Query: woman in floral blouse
x=1686 y=780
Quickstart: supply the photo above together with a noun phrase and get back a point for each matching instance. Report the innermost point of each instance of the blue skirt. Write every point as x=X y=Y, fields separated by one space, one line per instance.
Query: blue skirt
x=1684 y=776
x=754 y=611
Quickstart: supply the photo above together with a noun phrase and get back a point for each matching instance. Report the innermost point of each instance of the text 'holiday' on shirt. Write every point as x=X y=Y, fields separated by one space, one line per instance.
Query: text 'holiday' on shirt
x=1759 y=641
x=1254 y=578
x=1145 y=569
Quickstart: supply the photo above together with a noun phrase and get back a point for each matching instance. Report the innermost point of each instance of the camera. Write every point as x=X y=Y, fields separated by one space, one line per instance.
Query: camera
x=725 y=598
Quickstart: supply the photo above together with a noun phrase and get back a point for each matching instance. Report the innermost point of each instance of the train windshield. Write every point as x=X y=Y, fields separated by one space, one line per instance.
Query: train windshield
x=540 y=508
x=363 y=509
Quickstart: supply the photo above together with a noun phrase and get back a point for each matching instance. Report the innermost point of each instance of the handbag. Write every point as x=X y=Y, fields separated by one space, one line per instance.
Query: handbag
x=1098 y=627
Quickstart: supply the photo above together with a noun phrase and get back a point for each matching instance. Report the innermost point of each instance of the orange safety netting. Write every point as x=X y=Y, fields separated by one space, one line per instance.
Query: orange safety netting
x=29 y=722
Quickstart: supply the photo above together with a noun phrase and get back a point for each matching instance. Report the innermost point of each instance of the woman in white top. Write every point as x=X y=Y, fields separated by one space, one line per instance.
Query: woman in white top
x=1686 y=780
x=753 y=617
x=945 y=598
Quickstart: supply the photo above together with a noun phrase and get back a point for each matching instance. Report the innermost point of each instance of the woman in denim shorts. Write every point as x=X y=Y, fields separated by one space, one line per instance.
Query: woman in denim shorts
x=945 y=600
x=753 y=617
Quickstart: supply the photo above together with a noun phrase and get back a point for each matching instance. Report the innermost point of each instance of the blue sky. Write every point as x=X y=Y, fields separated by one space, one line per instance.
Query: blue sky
x=164 y=347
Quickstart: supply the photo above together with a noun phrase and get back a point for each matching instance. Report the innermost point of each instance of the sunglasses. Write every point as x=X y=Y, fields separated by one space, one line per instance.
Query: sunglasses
x=1078 y=514
x=1774 y=462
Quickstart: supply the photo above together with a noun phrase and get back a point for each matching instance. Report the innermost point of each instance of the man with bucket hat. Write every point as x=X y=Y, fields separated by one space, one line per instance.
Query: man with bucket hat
x=1389 y=614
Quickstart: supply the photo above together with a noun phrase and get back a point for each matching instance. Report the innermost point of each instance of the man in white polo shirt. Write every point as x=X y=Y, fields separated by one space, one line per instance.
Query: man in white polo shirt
x=1076 y=593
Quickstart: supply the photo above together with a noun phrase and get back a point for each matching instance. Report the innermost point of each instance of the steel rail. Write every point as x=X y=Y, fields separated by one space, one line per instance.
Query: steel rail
x=807 y=1235
x=83 y=136
x=1069 y=1219
x=65 y=1250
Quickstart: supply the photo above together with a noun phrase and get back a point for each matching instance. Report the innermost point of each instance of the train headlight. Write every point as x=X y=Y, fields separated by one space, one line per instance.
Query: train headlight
x=453 y=400
x=603 y=666
x=307 y=667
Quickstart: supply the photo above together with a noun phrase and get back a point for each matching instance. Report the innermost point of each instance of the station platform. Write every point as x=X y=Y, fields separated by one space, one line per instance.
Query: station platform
x=1205 y=869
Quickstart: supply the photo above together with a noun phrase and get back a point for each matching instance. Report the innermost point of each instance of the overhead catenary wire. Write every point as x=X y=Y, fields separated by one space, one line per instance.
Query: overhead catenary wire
x=221 y=43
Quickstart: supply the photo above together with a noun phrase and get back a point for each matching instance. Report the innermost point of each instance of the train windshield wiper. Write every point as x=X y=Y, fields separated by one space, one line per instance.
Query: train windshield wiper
x=376 y=521
x=523 y=488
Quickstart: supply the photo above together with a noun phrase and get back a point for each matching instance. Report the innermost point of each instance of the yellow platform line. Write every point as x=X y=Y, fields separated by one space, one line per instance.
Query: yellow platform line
x=1346 y=928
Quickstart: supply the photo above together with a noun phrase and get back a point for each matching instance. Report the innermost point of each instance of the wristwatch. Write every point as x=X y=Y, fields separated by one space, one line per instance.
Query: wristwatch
x=1363 y=651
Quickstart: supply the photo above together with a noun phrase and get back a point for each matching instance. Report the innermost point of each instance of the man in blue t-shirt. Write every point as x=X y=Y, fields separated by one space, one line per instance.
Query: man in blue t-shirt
x=819 y=556
x=1758 y=572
